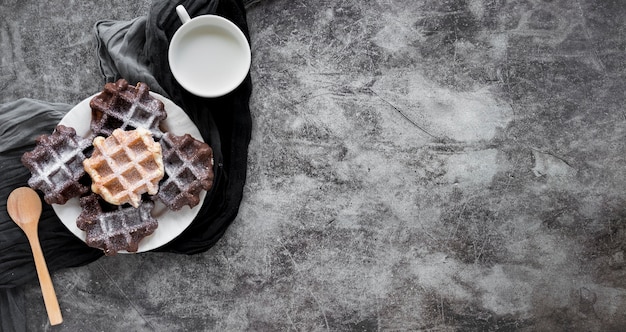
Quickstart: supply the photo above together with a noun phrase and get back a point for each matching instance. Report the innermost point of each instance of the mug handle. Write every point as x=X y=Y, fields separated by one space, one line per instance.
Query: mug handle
x=182 y=14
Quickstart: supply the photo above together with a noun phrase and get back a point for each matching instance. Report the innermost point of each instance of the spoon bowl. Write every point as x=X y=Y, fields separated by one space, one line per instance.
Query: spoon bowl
x=24 y=207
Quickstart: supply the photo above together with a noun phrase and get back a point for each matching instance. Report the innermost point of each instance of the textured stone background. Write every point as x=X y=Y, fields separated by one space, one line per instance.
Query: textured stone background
x=415 y=165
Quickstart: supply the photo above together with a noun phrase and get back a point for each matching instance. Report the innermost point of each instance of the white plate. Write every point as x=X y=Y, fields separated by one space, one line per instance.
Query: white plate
x=171 y=223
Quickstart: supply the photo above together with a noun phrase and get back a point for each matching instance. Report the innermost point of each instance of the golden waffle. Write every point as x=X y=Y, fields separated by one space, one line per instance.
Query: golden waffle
x=188 y=168
x=125 y=165
x=56 y=165
x=115 y=228
x=121 y=105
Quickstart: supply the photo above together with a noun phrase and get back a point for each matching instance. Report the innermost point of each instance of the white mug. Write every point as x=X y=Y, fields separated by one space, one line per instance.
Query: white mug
x=208 y=55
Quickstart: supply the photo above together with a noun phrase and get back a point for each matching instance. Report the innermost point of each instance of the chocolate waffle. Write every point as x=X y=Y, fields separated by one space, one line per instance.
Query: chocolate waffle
x=56 y=165
x=121 y=105
x=189 y=169
x=115 y=228
x=124 y=166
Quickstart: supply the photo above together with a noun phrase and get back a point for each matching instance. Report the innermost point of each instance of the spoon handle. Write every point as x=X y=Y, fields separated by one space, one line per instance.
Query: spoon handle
x=47 y=289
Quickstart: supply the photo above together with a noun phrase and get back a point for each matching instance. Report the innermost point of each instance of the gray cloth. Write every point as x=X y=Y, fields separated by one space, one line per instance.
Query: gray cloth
x=23 y=120
x=117 y=45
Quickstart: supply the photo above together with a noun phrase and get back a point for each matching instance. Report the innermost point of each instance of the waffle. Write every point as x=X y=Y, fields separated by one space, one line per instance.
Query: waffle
x=121 y=105
x=115 y=228
x=56 y=165
x=124 y=166
x=189 y=169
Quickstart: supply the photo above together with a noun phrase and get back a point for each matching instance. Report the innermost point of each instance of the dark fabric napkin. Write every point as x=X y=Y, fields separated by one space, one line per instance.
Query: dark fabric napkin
x=137 y=51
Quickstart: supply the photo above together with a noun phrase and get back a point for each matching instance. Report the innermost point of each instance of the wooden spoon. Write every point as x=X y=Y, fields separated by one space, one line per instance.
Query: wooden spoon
x=24 y=207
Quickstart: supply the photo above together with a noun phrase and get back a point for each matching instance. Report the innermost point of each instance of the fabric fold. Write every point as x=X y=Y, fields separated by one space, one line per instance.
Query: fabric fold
x=118 y=43
x=12 y=315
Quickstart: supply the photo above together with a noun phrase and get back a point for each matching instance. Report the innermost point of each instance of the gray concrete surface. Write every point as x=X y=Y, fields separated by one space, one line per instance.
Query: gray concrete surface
x=415 y=165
